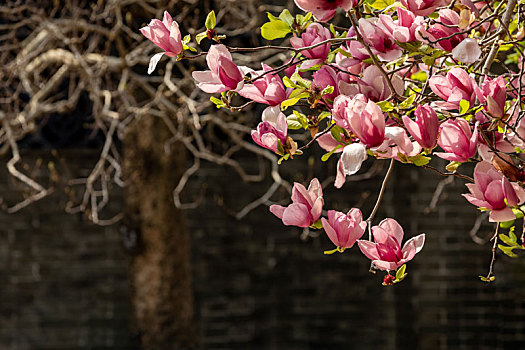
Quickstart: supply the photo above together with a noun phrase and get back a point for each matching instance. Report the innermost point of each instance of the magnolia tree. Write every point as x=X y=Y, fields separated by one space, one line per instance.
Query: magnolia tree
x=404 y=81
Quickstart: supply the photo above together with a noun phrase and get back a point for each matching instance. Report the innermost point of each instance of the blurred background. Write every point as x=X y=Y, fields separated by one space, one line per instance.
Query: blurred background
x=135 y=214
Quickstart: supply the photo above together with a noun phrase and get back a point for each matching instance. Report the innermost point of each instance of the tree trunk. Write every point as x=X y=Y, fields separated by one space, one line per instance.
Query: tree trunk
x=160 y=273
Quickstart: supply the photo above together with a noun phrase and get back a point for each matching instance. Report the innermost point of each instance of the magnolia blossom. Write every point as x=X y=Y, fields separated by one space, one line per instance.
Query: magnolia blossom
x=494 y=93
x=306 y=207
x=372 y=85
x=396 y=141
x=492 y=139
x=381 y=43
x=422 y=7
x=447 y=25
x=350 y=162
x=223 y=75
x=453 y=88
x=405 y=28
x=314 y=34
x=166 y=35
x=268 y=90
x=366 y=120
x=272 y=130
x=324 y=77
x=386 y=252
x=494 y=191
x=467 y=51
x=344 y=229
x=457 y=140
x=425 y=128
x=328 y=143
x=324 y=10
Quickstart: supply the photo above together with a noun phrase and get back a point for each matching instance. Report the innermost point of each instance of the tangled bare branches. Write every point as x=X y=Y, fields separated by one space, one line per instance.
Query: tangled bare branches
x=54 y=52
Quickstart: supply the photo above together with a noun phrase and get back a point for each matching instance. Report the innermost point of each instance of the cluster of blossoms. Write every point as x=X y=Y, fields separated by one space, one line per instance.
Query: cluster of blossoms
x=401 y=79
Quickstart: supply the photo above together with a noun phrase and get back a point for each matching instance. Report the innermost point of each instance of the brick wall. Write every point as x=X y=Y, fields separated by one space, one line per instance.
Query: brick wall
x=258 y=285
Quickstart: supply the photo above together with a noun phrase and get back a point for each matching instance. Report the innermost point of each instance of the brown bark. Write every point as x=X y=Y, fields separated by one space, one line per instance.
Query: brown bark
x=160 y=273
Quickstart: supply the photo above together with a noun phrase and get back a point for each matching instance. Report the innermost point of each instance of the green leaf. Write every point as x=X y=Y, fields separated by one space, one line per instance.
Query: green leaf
x=303 y=19
x=286 y=17
x=386 y=106
x=336 y=132
x=327 y=90
x=507 y=250
x=518 y=213
x=401 y=271
x=297 y=121
x=485 y=279
x=419 y=76
x=217 y=102
x=323 y=115
x=408 y=102
x=343 y=52
x=275 y=30
x=318 y=224
x=508 y=240
x=298 y=79
x=380 y=4
x=289 y=83
x=507 y=224
x=200 y=36
x=419 y=160
x=285 y=157
x=464 y=106
x=292 y=101
x=327 y=156
x=453 y=166
x=293 y=123
x=211 y=20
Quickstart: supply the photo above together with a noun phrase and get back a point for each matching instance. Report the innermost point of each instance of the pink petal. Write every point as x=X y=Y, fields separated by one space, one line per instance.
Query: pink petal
x=297 y=214
x=368 y=249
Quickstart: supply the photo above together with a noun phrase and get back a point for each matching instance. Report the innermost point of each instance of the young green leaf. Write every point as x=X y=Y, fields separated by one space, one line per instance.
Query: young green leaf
x=275 y=30
x=211 y=20
x=464 y=106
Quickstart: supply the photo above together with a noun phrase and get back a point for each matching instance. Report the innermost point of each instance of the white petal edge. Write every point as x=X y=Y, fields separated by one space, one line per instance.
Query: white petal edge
x=153 y=62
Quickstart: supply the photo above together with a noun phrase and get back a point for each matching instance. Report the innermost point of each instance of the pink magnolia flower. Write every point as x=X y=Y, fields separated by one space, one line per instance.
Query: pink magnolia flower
x=453 y=88
x=166 y=35
x=344 y=229
x=372 y=85
x=457 y=140
x=396 y=141
x=339 y=111
x=366 y=120
x=328 y=143
x=494 y=93
x=467 y=51
x=386 y=252
x=425 y=128
x=405 y=28
x=324 y=10
x=491 y=139
x=491 y=190
x=314 y=34
x=269 y=89
x=324 y=77
x=272 y=129
x=447 y=25
x=422 y=7
x=382 y=43
x=350 y=162
x=306 y=207
x=223 y=75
